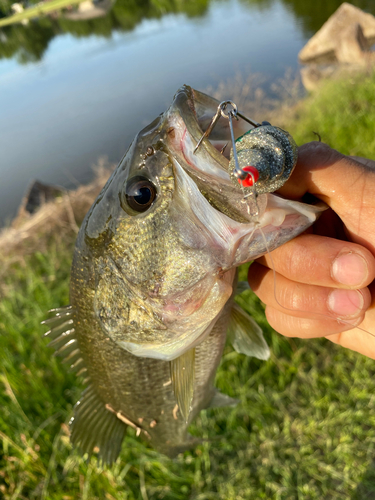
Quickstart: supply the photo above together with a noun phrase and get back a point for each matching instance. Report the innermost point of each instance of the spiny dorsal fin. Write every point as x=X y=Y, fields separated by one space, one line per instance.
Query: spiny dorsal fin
x=245 y=335
x=93 y=426
x=62 y=333
x=183 y=377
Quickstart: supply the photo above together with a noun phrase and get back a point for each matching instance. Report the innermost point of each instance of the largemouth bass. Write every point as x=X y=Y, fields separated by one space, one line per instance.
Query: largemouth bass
x=153 y=280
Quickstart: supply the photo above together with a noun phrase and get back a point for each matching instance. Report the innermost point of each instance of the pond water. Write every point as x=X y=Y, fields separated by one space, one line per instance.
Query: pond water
x=73 y=91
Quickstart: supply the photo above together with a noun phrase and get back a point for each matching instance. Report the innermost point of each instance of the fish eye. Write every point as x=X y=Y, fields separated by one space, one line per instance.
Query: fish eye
x=140 y=194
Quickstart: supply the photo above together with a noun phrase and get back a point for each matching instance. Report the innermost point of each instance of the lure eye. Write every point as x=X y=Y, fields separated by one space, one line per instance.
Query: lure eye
x=251 y=178
x=140 y=194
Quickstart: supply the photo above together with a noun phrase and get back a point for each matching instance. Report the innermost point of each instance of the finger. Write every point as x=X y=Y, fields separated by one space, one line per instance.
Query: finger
x=323 y=261
x=346 y=185
x=368 y=163
x=360 y=339
x=307 y=301
x=324 y=172
x=293 y=326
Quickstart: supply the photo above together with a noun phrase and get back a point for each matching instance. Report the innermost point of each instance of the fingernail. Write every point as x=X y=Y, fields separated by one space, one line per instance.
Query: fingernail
x=345 y=302
x=350 y=269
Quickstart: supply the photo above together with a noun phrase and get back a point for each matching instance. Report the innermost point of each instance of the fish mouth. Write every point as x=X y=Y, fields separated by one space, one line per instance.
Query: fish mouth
x=188 y=117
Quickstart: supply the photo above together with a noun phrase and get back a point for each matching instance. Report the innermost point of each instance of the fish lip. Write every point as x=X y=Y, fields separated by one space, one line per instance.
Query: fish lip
x=186 y=100
x=186 y=104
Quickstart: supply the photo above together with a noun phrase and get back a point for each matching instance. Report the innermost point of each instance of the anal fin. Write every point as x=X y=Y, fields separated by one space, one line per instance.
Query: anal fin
x=94 y=426
x=183 y=377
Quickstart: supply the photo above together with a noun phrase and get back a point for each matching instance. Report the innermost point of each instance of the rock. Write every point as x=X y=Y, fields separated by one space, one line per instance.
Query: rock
x=60 y=215
x=352 y=47
x=37 y=195
x=336 y=39
x=313 y=75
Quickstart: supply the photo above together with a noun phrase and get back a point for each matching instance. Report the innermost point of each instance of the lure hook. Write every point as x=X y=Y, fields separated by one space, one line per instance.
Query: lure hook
x=229 y=114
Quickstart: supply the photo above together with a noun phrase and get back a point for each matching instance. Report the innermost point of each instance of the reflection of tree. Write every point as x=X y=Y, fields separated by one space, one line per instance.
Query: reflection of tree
x=260 y=4
x=28 y=43
x=314 y=13
x=126 y=15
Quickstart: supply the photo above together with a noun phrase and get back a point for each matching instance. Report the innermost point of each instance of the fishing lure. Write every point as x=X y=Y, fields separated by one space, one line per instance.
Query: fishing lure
x=261 y=160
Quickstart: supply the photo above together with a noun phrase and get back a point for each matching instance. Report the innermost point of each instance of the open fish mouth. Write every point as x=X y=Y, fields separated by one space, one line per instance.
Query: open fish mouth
x=242 y=234
x=188 y=117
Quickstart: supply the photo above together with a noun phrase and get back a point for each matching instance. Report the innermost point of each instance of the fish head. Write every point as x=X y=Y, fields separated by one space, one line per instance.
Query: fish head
x=163 y=239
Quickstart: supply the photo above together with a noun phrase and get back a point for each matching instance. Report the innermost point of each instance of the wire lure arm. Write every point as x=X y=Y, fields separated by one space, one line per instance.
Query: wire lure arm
x=262 y=159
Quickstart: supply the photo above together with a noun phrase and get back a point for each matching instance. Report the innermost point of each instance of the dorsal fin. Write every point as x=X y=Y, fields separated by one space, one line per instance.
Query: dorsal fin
x=94 y=426
x=64 y=342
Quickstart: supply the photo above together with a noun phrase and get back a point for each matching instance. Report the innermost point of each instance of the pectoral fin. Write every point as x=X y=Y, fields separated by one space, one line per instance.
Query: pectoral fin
x=219 y=399
x=183 y=375
x=242 y=286
x=245 y=335
x=63 y=339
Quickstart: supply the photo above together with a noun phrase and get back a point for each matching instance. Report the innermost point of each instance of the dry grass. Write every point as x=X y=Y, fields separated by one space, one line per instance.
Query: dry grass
x=276 y=104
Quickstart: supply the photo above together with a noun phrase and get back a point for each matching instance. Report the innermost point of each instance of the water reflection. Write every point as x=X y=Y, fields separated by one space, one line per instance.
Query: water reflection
x=29 y=42
x=313 y=13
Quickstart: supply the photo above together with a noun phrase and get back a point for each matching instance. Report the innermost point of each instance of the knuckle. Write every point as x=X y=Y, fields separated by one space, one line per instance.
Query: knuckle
x=292 y=298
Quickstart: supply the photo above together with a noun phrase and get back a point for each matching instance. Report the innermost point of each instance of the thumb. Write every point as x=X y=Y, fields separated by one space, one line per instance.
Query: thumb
x=344 y=183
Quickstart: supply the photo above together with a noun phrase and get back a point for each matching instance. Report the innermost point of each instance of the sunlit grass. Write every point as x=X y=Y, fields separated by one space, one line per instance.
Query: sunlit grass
x=342 y=112
x=304 y=427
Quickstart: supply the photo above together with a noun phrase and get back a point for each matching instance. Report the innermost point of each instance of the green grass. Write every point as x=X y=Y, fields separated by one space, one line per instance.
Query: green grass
x=305 y=425
x=342 y=112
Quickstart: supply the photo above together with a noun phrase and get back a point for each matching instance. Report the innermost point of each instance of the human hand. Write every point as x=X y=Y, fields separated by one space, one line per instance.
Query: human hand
x=325 y=278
